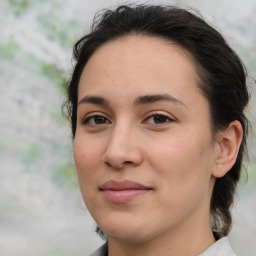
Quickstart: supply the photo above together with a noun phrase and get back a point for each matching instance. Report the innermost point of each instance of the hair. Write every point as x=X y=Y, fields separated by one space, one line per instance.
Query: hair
x=222 y=78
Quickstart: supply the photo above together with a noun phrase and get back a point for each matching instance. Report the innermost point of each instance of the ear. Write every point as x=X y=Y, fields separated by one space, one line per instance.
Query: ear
x=229 y=142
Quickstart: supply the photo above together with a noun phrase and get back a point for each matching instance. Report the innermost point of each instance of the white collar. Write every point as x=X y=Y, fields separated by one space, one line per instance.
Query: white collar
x=102 y=251
x=221 y=247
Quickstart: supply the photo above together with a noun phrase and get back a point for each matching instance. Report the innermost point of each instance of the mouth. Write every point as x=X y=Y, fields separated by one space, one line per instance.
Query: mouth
x=123 y=191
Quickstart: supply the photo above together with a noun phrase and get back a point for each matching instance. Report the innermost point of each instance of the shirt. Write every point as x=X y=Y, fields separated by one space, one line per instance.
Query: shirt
x=221 y=247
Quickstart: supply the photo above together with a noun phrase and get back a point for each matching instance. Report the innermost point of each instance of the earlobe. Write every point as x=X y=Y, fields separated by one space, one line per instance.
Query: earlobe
x=229 y=143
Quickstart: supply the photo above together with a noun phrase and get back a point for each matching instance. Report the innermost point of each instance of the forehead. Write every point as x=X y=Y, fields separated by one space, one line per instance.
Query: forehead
x=139 y=64
x=142 y=52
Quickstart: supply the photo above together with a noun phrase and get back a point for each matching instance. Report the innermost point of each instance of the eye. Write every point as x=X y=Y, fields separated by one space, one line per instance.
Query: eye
x=158 y=119
x=96 y=120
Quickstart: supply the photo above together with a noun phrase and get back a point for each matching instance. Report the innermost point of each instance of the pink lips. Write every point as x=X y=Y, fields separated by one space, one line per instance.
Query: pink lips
x=123 y=191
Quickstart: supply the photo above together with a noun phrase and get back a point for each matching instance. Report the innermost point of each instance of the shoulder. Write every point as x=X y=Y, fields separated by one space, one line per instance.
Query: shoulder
x=221 y=247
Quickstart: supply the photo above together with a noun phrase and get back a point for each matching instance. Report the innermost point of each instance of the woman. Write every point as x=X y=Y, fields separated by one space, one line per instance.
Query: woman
x=156 y=102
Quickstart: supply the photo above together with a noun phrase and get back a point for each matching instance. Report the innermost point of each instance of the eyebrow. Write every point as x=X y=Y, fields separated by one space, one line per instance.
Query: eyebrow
x=96 y=100
x=147 y=99
x=141 y=100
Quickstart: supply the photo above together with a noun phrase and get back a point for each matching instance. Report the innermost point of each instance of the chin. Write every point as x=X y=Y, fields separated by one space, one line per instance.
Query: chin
x=125 y=231
x=131 y=233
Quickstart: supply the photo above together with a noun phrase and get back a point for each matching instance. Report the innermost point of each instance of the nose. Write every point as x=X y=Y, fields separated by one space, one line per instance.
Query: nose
x=123 y=149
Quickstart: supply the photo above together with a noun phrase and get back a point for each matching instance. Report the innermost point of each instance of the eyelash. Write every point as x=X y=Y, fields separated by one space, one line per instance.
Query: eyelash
x=152 y=115
x=167 y=118
x=87 y=119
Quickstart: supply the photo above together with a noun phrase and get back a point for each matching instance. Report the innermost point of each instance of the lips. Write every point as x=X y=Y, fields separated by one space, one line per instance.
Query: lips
x=123 y=191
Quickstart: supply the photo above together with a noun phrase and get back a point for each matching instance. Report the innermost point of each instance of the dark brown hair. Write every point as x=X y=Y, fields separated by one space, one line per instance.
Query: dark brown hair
x=221 y=72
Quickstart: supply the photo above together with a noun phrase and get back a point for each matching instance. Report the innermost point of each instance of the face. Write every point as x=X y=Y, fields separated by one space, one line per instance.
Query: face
x=143 y=148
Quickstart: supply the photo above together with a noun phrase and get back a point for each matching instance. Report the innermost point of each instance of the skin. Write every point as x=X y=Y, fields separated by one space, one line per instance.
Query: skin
x=166 y=145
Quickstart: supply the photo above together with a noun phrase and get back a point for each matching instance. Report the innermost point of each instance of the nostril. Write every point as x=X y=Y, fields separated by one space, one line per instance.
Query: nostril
x=108 y=164
x=127 y=162
x=114 y=165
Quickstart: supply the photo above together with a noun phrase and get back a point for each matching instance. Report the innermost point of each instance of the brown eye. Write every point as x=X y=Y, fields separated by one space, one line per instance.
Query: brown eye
x=96 y=120
x=100 y=120
x=158 y=119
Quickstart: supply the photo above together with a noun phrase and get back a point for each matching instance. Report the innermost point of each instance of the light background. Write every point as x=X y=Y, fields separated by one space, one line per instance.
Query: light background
x=41 y=210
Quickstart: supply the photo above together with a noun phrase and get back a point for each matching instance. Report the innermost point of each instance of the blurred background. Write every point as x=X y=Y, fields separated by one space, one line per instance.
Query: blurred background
x=41 y=209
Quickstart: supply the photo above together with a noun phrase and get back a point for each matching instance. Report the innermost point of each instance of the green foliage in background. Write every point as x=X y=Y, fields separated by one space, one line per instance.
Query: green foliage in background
x=31 y=154
x=66 y=177
x=12 y=50
x=58 y=29
x=54 y=74
x=19 y=6
x=9 y=50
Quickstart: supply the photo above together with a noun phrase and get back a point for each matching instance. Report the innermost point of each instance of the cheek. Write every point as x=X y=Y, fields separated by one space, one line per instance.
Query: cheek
x=182 y=163
x=87 y=158
x=86 y=153
x=171 y=154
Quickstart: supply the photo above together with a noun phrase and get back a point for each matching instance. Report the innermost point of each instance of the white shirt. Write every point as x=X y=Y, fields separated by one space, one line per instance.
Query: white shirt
x=220 y=248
